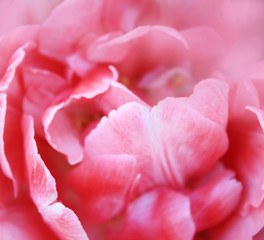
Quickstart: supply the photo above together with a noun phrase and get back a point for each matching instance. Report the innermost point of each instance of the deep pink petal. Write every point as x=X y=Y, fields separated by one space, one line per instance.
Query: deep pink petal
x=3 y=161
x=59 y=40
x=23 y=222
x=240 y=226
x=12 y=115
x=59 y=218
x=42 y=185
x=103 y=184
x=215 y=200
x=159 y=214
x=245 y=157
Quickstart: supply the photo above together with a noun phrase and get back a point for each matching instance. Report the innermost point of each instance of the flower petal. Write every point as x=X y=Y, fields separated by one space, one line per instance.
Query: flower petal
x=23 y=222
x=159 y=214
x=215 y=200
x=65 y=34
x=155 y=40
x=43 y=191
x=171 y=143
x=102 y=184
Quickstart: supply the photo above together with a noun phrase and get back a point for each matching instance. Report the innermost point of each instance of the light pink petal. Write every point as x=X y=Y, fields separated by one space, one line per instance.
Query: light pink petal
x=43 y=191
x=125 y=131
x=171 y=143
x=15 y=39
x=26 y=12
x=203 y=43
x=63 y=222
x=123 y=16
x=41 y=87
x=210 y=98
x=66 y=137
x=14 y=62
x=155 y=40
x=259 y=113
x=102 y=183
x=23 y=222
x=215 y=200
x=159 y=214
x=117 y=95
x=59 y=40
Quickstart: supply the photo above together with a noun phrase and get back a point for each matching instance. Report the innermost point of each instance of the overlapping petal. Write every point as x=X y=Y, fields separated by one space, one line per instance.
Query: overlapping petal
x=103 y=184
x=159 y=214
x=171 y=143
x=43 y=191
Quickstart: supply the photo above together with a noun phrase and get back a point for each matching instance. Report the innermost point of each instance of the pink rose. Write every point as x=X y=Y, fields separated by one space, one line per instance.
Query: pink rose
x=125 y=120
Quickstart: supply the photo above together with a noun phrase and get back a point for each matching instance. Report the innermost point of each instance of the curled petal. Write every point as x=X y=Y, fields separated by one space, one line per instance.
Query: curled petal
x=43 y=191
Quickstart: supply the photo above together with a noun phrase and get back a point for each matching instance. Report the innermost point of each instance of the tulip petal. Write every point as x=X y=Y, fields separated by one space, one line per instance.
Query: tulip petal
x=171 y=143
x=103 y=184
x=214 y=201
x=159 y=214
x=43 y=191
x=239 y=226
x=3 y=161
x=23 y=222
x=65 y=137
x=65 y=34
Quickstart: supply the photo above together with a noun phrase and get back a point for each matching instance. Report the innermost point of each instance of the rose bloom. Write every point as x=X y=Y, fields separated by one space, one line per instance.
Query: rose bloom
x=131 y=119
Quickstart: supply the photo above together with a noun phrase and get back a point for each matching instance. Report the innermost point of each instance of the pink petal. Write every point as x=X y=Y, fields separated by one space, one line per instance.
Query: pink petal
x=203 y=43
x=123 y=16
x=59 y=40
x=156 y=38
x=11 y=116
x=43 y=191
x=15 y=61
x=65 y=137
x=3 y=161
x=63 y=222
x=171 y=143
x=245 y=157
x=239 y=226
x=42 y=185
x=19 y=38
x=215 y=200
x=41 y=88
x=26 y=12
x=102 y=184
x=159 y=214
x=23 y=222
x=210 y=98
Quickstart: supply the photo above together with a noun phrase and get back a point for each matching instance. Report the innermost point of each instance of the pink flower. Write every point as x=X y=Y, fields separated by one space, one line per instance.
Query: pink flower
x=124 y=120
